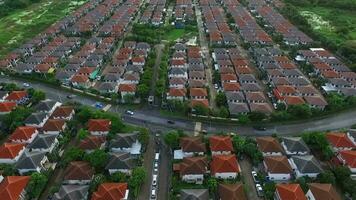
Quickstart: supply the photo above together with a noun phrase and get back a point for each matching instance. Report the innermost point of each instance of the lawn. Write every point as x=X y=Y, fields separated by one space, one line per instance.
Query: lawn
x=22 y=25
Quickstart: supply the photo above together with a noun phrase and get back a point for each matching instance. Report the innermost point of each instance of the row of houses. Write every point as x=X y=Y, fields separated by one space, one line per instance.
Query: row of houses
x=215 y=23
x=338 y=76
x=10 y=100
x=246 y=24
x=291 y=34
x=289 y=85
x=154 y=13
x=183 y=11
x=242 y=89
x=187 y=71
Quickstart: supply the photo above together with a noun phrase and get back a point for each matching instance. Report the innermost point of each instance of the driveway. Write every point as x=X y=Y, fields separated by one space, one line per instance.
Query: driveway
x=246 y=169
x=165 y=173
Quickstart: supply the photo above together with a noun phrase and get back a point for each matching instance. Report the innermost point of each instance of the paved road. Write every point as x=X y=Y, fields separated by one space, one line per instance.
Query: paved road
x=165 y=171
x=246 y=169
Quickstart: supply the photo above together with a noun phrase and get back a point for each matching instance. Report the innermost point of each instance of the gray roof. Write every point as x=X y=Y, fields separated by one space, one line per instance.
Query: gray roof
x=123 y=140
x=237 y=108
x=295 y=144
x=235 y=96
x=35 y=118
x=30 y=160
x=3 y=94
x=72 y=192
x=112 y=77
x=45 y=105
x=120 y=161
x=42 y=141
x=177 y=71
x=307 y=164
x=104 y=86
x=194 y=194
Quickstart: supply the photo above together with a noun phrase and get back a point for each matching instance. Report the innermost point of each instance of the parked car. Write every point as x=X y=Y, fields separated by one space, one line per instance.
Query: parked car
x=153 y=194
x=254 y=176
x=259 y=190
x=155 y=167
x=154 y=180
x=71 y=96
x=260 y=128
x=98 y=105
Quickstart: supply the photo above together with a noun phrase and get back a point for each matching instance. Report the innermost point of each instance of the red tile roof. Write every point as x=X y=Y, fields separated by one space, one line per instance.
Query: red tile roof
x=339 y=140
x=268 y=144
x=220 y=143
x=177 y=92
x=110 y=191
x=323 y=191
x=80 y=78
x=349 y=157
x=198 y=92
x=16 y=95
x=99 y=125
x=7 y=106
x=127 y=88
x=192 y=144
x=54 y=125
x=91 y=142
x=224 y=163
x=23 y=133
x=12 y=186
x=10 y=150
x=202 y=102
x=290 y=192
x=232 y=191
x=294 y=100
x=278 y=165
x=78 y=170
x=62 y=112
x=231 y=87
x=193 y=165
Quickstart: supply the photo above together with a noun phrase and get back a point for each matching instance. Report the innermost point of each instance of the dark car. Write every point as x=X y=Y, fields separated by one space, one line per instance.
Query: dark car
x=170 y=122
x=260 y=128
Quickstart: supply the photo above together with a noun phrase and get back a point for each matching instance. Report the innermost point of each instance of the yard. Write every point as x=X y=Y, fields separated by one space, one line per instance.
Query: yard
x=22 y=25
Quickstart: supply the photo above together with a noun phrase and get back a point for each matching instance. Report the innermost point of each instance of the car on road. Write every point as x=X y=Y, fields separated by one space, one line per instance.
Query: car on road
x=153 y=194
x=216 y=86
x=98 y=105
x=71 y=96
x=170 y=122
x=129 y=112
x=155 y=167
x=156 y=157
x=26 y=85
x=154 y=180
x=260 y=128
x=259 y=190
x=254 y=176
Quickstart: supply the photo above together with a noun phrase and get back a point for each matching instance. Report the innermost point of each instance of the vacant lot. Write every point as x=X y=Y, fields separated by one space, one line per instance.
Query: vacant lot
x=22 y=25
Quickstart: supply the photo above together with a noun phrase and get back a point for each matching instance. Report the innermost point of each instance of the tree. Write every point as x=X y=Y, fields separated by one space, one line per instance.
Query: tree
x=256 y=116
x=172 y=139
x=213 y=185
x=8 y=170
x=36 y=95
x=97 y=159
x=97 y=180
x=82 y=134
x=201 y=110
x=118 y=177
x=138 y=176
x=143 y=91
x=269 y=189
x=299 y=111
x=326 y=177
x=221 y=99
x=15 y=118
x=238 y=143
x=37 y=183
x=72 y=154
x=144 y=137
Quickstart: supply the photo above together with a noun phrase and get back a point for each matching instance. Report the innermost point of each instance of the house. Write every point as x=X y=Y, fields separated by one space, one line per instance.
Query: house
x=236 y=109
x=99 y=126
x=192 y=169
x=78 y=173
x=225 y=166
x=43 y=143
x=198 y=93
x=231 y=191
x=14 y=187
x=91 y=143
x=340 y=141
x=54 y=126
x=316 y=102
x=289 y=192
x=348 y=158
x=126 y=142
x=177 y=94
x=11 y=152
x=63 y=112
x=31 y=162
x=269 y=146
x=20 y=97
x=351 y=134
x=220 y=145
x=23 y=134
x=305 y=166
x=127 y=89
x=322 y=191
x=36 y=120
x=111 y=191
x=120 y=162
x=72 y=192
x=194 y=194
x=294 y=146
x=80 y=80
x=278 y=168
x=47 y=106
x=190 y=146
x=7 y=107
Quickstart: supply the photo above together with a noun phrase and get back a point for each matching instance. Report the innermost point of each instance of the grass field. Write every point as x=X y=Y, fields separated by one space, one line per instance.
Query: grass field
x=22 y=25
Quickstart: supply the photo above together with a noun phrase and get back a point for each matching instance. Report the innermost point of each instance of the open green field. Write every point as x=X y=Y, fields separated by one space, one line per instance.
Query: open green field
x=22 y=25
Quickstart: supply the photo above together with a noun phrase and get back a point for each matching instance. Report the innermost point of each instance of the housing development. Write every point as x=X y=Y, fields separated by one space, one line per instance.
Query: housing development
x=177 y=99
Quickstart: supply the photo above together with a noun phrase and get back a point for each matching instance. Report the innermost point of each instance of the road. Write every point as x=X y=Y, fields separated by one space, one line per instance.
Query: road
x=246 y=169
x=145 y=191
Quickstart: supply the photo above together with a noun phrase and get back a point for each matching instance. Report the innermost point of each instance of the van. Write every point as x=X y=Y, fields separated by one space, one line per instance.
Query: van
x=153 y=194
x=154 y=180
x=157 y=157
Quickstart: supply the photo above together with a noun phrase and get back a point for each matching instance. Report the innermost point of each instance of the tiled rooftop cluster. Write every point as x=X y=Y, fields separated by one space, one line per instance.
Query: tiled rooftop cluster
x=154 y=13
x=183 y=11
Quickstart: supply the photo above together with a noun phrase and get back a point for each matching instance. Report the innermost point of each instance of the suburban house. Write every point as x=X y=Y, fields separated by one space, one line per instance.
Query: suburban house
x=220 y=145
x=198 y=93
x=190 y=146
x=63 y=112
x=225 y=166
x=36 y=120
x=294 y=146
x=43 y=143
x=194 y=194
x=127 y=89
x=269 y=146
x=20 y=97
x=192 y=169
x=31 y=162
x=6 y=107
x=91 y=143
x=54 y=126
x=47 y=106
x=99 y=126
x=177 y=94
x=289 y=192
x=23 y=134
x=11 y=152
x=120 y=162
x=231 y=191
x=14 y=187
x=80 y=80
x=348 y=158
x=113 y=191
x=278 y=168
x=340 y=141
x=322 y=191
x=72 y=192
x=351 y=134
x=126 y=142
x=79 y=173
x=305 y=166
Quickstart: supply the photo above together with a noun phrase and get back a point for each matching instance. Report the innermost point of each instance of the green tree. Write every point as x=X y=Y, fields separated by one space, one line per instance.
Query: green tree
x=143 y=91
x=82 y=134
x=144 y=137
x=221 y=99
x=36 y=185
x=97 y=180
x=118 y=177
x=257 y=116
x=137 y=178
x=36 y=95
x=172 y=139
x=299 y=111
x=213 y=185
x=326 y=177
x=8 y=170
x=238 y=143
x=201 y=110
x=73 y=154
x=269 y=189
x=97 y=159
x=16 y=118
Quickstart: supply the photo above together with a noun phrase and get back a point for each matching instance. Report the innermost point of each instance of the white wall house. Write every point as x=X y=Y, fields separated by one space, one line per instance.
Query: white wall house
x=226 y=175
x=193 y=178
x=14 y=159
x=134 y=149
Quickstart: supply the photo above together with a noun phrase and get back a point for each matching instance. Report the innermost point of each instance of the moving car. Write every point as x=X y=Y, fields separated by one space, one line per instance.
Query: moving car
x=129 y=112
x=98 y=105
x=26 y=85
x=170 y=122
x=71 y=96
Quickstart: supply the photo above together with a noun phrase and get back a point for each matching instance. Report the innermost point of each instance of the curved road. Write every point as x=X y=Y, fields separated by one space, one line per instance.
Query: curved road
x=152 y=119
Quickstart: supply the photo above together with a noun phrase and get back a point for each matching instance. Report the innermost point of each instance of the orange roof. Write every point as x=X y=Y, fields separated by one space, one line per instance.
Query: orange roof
x=54 y=125
x=12 y=186
x=290 y=192
x=99 y=125
x=110 y=191
x=202 y=102
x=323 y=191
x=62 y=111
x=286 y=89
x=192 y=165
x=268 y=144
x=278 y=164
x=294 y=100
x=339 y=140
x=349 y=157
x=127 y=88
x=86 y=70
x=78 y=170
x=80 y=78
x=23 y=133
x=91 y=142
x=177 y=92
x=10 y=150
x=7 y=106
x=224 y=163
x=220 y=143
x=231 y=87
x=16 y=95
x=228 y=77
x=198 y=92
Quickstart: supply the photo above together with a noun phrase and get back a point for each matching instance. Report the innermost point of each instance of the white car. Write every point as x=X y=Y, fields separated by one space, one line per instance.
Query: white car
x=254 y=176
x=155 y=167
x=129 y=112
x=153 y=194
x=26 y=84
x=154 y=180
x=259 y=190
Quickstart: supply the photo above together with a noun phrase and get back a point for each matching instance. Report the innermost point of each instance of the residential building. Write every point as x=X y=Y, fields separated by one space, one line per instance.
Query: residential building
x=340 y=141
x=111 y=191
x=320 y=191
x=63 y=112
x=31 y=162
x=225 y=166
x=36 y=120
x=120 y=162
x=20 y=97
x=14 y=187
x=194 y=194
x=43 y=143
x=126 y=142
x=23 y=134
x=305 y=166
x=90 y=143
x=10 y=153
x=277 y=168
x=220 y=145
x=269 y=146
x=47 y=106
x=294 y=146
x=348 y=158
x=289 y=192
x=79 y=173
x=54 y=126
x=192 y=169
x=6 y=107
x=99 y=126
x=72 y=192
x=190 y=146
x=231 y=191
